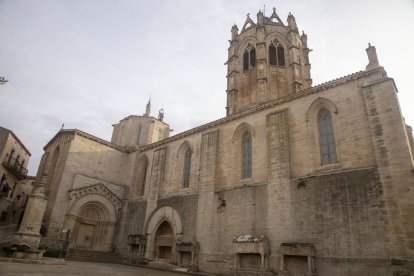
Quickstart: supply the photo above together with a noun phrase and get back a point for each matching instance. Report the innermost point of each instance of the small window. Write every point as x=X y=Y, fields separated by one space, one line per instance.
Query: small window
x=10 y=157
x=247 y=155
x=187 y=169
x=276 y=54
x=326 y=137
x=249 y=57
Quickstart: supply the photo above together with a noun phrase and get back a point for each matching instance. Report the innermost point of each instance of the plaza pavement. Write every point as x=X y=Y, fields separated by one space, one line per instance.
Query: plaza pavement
x=79 y=269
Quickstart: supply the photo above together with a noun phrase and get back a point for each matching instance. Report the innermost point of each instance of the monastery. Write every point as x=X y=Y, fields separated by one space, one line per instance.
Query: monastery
x=295 y=180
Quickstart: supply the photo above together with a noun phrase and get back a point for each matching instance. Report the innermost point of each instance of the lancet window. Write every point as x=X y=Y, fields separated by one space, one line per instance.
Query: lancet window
x=276 y=54
x=249 y=57
x=247 y=155
x=187 y=169
x=326 y=137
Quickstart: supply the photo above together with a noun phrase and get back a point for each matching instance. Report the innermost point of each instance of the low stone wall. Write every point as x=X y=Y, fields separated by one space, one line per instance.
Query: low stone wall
x=52 y=243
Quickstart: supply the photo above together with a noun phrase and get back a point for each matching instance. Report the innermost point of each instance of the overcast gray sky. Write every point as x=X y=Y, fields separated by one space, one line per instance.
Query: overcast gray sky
x=88 y=64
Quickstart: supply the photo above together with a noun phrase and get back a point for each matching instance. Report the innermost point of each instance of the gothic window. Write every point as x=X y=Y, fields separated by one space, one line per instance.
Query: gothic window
x=249 y=57
x=187 y=168
x=326 y=137
x=276 y=54
x=247 y=155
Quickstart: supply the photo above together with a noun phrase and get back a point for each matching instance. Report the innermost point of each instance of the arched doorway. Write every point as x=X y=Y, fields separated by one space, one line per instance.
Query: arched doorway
x=93 y=227
x=164 y=242
x=163 y=230
x=92 y=217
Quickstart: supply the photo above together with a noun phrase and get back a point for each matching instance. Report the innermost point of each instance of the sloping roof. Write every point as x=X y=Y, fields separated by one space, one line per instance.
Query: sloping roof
x=17 y=139
x=86 y=135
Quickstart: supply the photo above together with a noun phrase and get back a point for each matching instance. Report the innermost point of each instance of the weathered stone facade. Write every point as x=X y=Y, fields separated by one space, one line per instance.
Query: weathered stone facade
x=324 y=174
x=14 y=183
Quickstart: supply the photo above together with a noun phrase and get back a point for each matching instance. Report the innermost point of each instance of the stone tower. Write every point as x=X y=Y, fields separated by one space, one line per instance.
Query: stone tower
x=136 y=130
x=267 y=60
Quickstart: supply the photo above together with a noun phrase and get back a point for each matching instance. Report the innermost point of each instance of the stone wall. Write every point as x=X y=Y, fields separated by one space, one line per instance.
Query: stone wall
x=341 y=214
x=186 y=206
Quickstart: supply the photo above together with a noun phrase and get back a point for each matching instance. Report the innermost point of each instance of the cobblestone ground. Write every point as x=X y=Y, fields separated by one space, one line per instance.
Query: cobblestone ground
x=79 y=269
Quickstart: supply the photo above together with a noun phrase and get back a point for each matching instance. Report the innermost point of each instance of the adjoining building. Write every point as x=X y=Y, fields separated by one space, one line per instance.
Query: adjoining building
x=14 y=157
x=298 y=179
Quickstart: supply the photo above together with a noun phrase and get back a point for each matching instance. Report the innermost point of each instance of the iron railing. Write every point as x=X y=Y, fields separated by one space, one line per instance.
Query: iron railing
x=16 y=168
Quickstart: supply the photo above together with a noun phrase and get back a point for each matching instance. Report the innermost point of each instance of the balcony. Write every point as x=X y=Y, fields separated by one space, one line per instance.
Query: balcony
x=15 y=168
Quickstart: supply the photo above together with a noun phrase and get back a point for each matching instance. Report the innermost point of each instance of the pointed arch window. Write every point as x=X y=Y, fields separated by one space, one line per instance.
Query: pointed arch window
x=247 y=155
x=249 y=57
x=187 y=169
x=276 y=54
x=326 y=137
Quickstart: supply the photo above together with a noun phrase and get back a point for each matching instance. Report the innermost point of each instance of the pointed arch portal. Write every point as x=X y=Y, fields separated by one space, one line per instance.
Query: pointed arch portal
x=163 y=229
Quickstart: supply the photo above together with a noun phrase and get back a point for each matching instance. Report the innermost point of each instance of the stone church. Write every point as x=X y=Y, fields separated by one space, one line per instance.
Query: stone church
x=295 y=180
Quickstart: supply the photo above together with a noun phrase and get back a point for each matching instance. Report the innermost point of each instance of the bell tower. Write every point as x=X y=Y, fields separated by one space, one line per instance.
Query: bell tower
x=267 y=60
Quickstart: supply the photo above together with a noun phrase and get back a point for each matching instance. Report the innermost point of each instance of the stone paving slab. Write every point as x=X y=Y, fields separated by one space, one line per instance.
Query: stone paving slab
x=79 y=269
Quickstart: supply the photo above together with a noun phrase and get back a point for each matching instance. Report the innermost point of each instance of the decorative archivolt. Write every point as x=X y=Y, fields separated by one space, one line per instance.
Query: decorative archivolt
x=241 y=129
x=98 y=189
x=162 y=214
x=94 y=210
x=317 y=105
x=183 y=148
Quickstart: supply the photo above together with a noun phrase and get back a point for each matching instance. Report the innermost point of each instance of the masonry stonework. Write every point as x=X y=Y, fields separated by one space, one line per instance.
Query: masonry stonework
x=295 y=180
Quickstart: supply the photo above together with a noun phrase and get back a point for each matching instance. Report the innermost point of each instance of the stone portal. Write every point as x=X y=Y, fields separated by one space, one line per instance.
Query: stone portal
x=164 y=242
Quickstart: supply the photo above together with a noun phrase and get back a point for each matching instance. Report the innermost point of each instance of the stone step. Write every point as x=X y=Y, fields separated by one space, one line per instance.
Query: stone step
x=93 y=256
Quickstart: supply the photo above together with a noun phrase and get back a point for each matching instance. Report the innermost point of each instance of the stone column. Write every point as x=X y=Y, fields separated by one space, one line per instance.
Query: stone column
x=28 y=233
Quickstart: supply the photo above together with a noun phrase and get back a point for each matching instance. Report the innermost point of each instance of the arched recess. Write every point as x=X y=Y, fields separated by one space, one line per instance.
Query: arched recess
x=313 y=130
x=317 y=105
x=161 y=216
x=91 y=217
x=242 y=128
x=242 y=131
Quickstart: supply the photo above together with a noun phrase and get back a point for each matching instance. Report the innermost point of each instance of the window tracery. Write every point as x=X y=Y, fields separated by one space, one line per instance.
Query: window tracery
x=276 y=53
x=249 y=57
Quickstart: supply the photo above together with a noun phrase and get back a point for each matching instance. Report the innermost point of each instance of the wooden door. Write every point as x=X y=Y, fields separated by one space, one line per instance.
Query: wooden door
x=85 y=235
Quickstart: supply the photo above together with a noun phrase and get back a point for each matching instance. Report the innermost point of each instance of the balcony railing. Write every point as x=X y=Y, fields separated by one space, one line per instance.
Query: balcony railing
x=15 y=168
